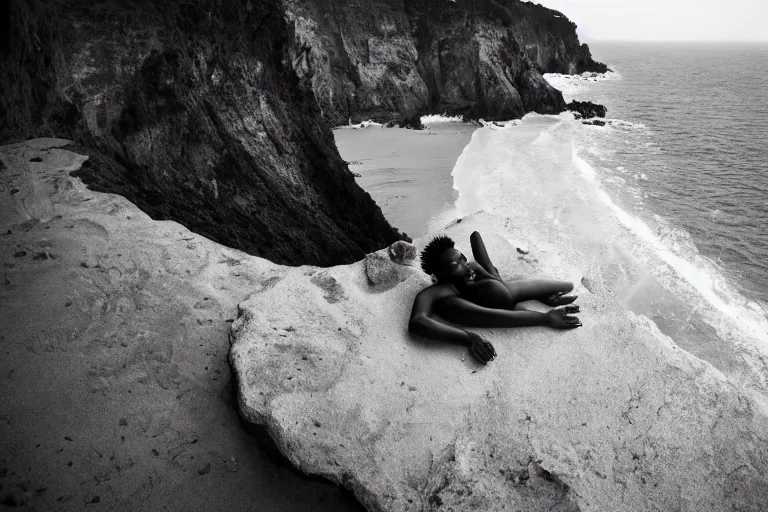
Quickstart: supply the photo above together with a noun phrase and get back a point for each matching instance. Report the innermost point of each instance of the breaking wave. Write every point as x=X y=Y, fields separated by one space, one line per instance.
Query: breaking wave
x=544 y=174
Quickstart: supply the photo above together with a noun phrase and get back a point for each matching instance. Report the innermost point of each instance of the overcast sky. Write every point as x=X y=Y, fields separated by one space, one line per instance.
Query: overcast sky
x=666 y=20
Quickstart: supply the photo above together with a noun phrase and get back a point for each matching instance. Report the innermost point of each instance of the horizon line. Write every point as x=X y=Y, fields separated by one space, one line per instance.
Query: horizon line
x=589 y=39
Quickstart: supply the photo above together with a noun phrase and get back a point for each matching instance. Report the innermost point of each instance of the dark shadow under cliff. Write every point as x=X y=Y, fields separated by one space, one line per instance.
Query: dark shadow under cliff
x=192 y=111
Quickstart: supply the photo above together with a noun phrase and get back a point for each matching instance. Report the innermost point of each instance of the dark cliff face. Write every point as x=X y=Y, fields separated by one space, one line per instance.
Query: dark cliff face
x=392 y=59
x=191 y=110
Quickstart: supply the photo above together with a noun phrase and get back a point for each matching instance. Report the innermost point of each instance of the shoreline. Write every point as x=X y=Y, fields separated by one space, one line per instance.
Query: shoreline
x=407 y=172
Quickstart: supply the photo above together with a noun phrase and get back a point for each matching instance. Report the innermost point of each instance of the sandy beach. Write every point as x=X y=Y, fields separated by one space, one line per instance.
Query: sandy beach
x=407 y=172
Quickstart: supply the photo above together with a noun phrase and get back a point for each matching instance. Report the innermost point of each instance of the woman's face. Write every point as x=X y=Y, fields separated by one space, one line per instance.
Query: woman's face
x=453 y=266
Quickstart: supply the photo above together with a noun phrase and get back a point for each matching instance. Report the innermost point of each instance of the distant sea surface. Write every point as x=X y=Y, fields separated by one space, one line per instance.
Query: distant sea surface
x=702 y=161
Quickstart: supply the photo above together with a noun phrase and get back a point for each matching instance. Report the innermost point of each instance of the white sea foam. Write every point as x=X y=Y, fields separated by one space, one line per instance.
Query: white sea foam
x=440 y=119
x=533 y=174
x=620 y=123
x=358 y=126
x=574 y=85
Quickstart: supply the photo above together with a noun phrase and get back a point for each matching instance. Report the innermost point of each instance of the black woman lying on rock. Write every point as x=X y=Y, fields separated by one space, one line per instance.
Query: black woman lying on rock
x=473 y=294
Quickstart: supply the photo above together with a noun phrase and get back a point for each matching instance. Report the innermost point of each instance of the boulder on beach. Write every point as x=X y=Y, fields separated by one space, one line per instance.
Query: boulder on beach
x=610 y=416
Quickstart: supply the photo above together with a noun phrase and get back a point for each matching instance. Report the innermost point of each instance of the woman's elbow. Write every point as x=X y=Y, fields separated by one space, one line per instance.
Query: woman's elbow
x=416 y=325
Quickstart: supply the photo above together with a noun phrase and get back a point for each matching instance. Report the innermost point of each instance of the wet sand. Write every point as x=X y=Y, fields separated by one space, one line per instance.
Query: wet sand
x=407 y=172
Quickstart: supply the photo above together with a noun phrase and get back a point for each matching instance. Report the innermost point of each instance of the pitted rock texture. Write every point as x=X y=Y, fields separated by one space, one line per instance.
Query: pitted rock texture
x=193 y=112
x=388 y=267
x=610 y=416
x=116 y=389
x=402 y=252
x=393 y=59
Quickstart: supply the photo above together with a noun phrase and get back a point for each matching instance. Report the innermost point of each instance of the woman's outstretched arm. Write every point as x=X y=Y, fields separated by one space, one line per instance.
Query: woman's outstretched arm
x=464 y=312
x=424 y=323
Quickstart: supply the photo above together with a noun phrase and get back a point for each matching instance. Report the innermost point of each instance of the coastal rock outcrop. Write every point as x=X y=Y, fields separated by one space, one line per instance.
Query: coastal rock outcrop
x=587 y=109
x=116 y=389
x=610 y=416
x=390 y=60
x=193 y=112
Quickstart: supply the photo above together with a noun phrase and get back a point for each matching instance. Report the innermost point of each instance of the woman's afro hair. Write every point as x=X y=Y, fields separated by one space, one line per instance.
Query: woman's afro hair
x=430 y=256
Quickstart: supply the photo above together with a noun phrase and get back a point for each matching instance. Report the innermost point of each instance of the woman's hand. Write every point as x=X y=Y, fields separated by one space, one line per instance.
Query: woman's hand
x=559 y=318
x=481 y=349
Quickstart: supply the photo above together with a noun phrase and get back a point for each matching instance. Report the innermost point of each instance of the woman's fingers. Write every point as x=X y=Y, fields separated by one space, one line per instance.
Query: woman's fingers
x=478 y=354
x=483 y=352
x=571 y=309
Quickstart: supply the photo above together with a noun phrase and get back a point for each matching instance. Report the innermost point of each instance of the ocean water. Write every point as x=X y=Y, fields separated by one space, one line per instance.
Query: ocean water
x=666 y=206
x=703 y=157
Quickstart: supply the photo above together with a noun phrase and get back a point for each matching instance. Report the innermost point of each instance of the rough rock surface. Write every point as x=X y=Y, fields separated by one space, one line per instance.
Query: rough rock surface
x=587 y=109
x=116 y=391
x=192 y=111
x=402 y=252
x=610 y=416
x=391 y=59
x=383 y=270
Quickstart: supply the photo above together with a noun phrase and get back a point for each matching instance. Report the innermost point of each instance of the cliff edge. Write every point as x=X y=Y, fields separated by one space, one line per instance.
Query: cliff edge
x=393 y=59
x=609 y=416
x=193 y=112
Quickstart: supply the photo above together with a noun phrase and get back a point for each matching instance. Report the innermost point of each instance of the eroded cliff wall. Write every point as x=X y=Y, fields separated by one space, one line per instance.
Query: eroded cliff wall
x=192 y=111
x=215 y=114
x=392 y=59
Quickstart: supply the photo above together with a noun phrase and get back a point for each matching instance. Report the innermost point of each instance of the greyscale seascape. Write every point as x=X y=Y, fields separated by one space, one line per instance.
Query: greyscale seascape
x=381 y=255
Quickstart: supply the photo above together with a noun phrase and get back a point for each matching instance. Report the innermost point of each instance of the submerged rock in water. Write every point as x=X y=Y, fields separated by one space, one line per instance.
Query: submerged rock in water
x=586 y=109
x=594 y=122
x=610 y=416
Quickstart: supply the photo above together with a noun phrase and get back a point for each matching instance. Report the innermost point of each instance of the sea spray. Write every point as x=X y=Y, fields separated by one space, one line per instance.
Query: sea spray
x=534 y=177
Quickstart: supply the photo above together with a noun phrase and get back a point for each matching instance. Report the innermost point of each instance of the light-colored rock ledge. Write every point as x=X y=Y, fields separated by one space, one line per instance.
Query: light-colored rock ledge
x=611 y=416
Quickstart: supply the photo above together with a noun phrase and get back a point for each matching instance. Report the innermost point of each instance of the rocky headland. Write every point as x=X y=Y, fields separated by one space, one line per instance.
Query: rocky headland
x=216 y=114
x=203 y=162
x=193 y=112
x=385 y=59
x=117 y=388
